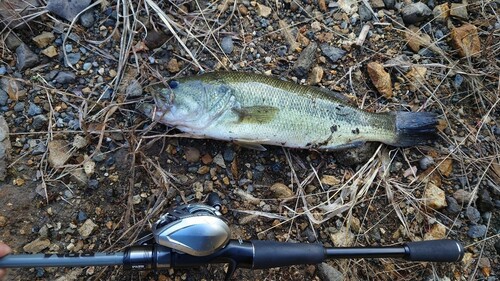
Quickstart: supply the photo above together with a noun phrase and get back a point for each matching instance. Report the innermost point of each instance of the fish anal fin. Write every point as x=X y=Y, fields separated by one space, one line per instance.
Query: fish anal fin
x=256 y=114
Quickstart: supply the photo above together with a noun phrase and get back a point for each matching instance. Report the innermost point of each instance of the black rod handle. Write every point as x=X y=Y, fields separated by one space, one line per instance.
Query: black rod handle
x=434 y=250
x=269 y=254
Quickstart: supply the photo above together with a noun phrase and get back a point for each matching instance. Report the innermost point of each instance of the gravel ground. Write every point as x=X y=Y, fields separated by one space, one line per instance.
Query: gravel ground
x=82 y=170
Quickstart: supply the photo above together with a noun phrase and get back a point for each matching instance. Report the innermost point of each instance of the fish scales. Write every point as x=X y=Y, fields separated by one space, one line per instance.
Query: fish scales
x=252 y=108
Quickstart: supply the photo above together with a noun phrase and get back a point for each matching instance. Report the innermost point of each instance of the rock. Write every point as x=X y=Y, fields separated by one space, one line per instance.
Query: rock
x=25 y=57
x=415 y=12
x=87 y=66
x=441 y=12
x=65 y=77
x=434 y=196
x=50 y=51
x=453 y=206
x=473 y=214
x=59 y=153
x=390 y=4
x=81 y=216
x=342 y=238
x=155 y=39
x=484 y=201
x=328 y=273
x=37 y=245
x=462 y=196
x=417 y=78
x=228 y=154
x=316 y=75
x=34 y=109
x=72 y=58
x=12 y=40
x=381 y=79
x=437 y=231
x=459 y=10
x=192 y=154
x=39 y=121
x=227 y=45
x=348 y=6
x=3 y=70
x=281 y=190
x=79 y=142
x=67 y=9
x=44 y=39
x=134 y=89
x=243 y=9
x=87 y=19
x=465 y=40
x=357 y=155
x=497 y=246
x=15 y=14
x=377 y=4
x=316 y=26
x=477 y=231
x=4 y=97
x=425 y=162
x=173 y=66
x=364 y=13
x=263 y=11
x=219 y=161
x=19 y=107
x=304 y=62
x=87 y=227
x=333 y=53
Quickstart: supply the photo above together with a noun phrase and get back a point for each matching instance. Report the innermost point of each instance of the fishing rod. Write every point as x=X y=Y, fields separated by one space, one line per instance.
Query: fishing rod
x=195 y=235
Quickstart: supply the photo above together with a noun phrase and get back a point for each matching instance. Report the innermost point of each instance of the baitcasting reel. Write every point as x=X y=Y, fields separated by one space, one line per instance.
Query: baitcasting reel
x=194 y=229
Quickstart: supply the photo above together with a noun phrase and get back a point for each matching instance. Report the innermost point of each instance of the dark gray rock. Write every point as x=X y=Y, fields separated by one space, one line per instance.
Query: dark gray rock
x=332 y=53
x=304 y=62
x=82 y=216
x=39 y=121
x=227 y=44
x=390 y=4
x=65 y=77
x=477 y=231
x=87 y=66
x=496 y=130
x=87 y=19
x=25 y=57
x=473 y=215
x=364 y=13
x=67 y=9
x=453 y=206
x=228 y=155
x=12 y=41
x=415 y=12
x=19 y=107
x=34 y=109
x=4 y=97
x=40 y=148
x=3 y=70
x=484 y=202
x=328 y=273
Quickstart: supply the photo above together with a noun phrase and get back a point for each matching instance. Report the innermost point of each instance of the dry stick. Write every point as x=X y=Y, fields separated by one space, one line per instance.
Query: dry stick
x=165 y=20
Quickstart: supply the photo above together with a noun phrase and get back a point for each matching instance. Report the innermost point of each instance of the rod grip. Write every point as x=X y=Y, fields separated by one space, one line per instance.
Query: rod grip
x=435 y=251
x=269 y=254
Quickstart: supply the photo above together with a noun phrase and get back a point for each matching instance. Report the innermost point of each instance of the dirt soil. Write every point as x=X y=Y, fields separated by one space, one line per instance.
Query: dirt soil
x=83 y=170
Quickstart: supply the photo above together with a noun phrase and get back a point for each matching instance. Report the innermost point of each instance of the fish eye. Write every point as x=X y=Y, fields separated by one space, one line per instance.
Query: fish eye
x=173 y=84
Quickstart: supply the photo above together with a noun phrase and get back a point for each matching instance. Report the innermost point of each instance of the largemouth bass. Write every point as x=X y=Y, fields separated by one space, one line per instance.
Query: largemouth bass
x=253 y=109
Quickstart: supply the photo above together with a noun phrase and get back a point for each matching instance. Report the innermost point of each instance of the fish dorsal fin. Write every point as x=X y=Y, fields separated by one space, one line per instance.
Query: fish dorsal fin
x=250 y=144
x=256 y=114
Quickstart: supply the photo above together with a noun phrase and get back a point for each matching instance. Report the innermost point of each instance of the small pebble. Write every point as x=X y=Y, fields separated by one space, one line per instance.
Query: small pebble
x=227 y=44
x=87 y=66
x=425 y=162
x=3 y=69
x=477 y=231
x=19 y=107
x=34 y=109
x=473 y=215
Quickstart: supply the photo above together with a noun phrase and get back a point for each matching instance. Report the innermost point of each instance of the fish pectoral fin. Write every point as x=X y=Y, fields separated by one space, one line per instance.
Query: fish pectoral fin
x=354 y=144
x=256 y=114
x=250 y=144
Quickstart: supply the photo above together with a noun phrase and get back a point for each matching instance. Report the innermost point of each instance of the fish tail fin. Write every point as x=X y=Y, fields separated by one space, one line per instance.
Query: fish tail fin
x=414 y=128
